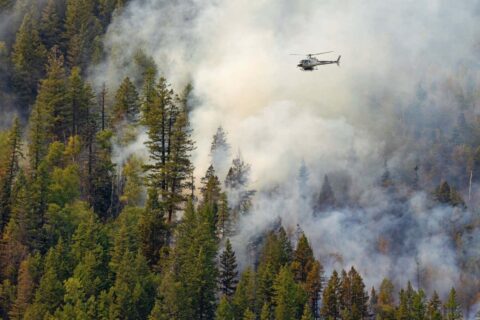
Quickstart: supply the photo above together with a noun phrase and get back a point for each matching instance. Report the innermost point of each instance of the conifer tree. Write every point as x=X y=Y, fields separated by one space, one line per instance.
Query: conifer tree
x=28 y=57
x=307 y=313
x=331 y=298
x=385 y=300
x=313 y=287
x=127 y=104
x=81 y=29
x=265 y=314
x=169 y=144
x=228 y=270
x=244 y=296
x=326 y=199
x=154 y=231
x=51 y=25
x=50 y=110
x=102 y=192
x=80 y=100
x=452 y=308
x=289 y=297
x=10 y=168
x=28 y=273
x=224 y=310
x=434 y=307
x=249 y=315
x=303 y=259
x=220 y=152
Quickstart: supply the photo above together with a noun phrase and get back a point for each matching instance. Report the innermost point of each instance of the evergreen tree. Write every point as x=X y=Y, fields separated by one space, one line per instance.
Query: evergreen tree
x=220 y=152
x=307 y=313
x=28 y=274
x=228 y=270
x=434 y=308
x=80 y=100
x=50 y=110
x=313 y=287
x=244 y=296
x=127 y=103
x=331 y=298
x=28 y=57
x=169 y=144
x=154 y=231
x=249 y=315
x=102 y=192
x=51 y=25
x=10 y=169
x=265 y=314
x=302 y=259
x=453 y=310
x=224 y=310
x=289 y=297
x=386 y=301
x=326 y=199
x=81 y=30
x=236 y=184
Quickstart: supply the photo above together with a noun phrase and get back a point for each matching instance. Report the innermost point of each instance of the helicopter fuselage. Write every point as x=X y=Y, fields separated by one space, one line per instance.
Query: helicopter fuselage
x=311 y=63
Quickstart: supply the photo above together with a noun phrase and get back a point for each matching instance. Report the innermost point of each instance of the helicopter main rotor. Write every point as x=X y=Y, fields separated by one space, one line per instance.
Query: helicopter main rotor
x=309 y=54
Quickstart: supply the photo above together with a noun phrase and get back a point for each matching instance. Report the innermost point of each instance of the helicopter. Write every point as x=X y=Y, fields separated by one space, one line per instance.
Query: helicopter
x=310 y=63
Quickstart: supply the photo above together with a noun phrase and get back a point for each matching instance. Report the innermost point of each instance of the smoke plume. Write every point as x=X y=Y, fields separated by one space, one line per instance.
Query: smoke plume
x=408 y=67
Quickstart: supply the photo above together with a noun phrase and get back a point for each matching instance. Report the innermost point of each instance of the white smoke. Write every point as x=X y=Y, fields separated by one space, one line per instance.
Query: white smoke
x=402 y=62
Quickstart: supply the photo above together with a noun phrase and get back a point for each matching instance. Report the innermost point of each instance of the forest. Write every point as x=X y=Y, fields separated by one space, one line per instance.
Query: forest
x=89 y=231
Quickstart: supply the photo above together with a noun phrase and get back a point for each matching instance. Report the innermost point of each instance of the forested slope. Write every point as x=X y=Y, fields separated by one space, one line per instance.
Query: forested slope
x=87 y=233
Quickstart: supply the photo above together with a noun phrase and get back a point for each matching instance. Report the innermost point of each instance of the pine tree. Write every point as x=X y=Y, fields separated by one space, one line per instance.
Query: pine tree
x=236 y=184
x=211 y=195
x=228 y=270
x=49 y=112
x=249 y=315
x=385 y=300
x=303 y=259
x=220 y=152
x=154 y=231
x=169 y=145
x=51 y=25
x=418 y=306
x=224 y=310
x=28 y=273
x=265 y=314
x=331 y=298
x=289 y=297
x=11 y=168
x=80 y=99
x=326 y=199
x=81 y=29
x=307 y=313
x=373 y=303
x=434 y=307
x=453 y=310
x=244 y=296
x=313 y=287
x=127 y=103
x=359 y=296
x=28 y=59
x=102 y=191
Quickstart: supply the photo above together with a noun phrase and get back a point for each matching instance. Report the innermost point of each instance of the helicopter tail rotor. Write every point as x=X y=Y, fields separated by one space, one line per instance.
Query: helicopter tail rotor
x=338 y=61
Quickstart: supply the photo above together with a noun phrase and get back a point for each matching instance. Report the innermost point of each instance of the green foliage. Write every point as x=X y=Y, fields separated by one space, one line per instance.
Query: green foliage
x=224 y=310
x=452 y=307
x=28 y=57
x=127 y=104
x=228 y=270
x=169 y=144
x=9 y=167
x=289 y=297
